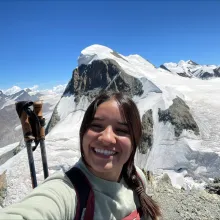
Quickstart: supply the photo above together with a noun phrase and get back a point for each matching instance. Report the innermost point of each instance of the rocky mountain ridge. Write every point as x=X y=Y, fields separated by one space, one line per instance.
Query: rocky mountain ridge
x=191 y=69
x=101 y=70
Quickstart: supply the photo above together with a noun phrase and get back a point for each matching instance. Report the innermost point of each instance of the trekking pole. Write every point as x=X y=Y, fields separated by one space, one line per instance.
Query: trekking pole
x=38 y=111
x=28 y=137
x=33 y=129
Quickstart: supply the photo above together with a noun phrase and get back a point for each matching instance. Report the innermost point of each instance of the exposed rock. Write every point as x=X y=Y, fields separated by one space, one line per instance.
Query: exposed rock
x=204 y=164
x=101 y=75
x=192 y=69
x=192 y=62
x=180 y=204
x=217 y=72
x=55 y=118
x=165 y=68
x=18 y=148
x=216 y=180
x=178 y=114
x=206 y=75
x=3 y=187
x=147 y=136
x=28 y=90
x=2 y=95
x=183 y=74
x=10 y=119
x=214 y=188
x=9 y=154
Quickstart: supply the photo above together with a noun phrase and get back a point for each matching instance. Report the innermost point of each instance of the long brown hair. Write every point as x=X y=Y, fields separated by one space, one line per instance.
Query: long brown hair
x=130 y=113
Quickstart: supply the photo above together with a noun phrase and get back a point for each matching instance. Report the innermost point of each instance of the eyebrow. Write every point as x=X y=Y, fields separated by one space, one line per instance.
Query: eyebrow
x=123 y=123
x=119 y=122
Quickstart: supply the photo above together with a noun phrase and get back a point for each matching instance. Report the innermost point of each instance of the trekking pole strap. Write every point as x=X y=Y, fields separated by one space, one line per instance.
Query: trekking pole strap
x=32 y=121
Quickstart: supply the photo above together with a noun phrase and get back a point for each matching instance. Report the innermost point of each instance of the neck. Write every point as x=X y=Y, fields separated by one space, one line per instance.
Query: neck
x=109 y=176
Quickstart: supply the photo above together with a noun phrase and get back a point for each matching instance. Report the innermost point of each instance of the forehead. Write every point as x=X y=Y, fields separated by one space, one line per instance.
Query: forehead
x=108 y=110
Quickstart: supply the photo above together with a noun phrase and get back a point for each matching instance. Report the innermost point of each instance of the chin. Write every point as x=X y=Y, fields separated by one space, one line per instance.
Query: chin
x=102 y=168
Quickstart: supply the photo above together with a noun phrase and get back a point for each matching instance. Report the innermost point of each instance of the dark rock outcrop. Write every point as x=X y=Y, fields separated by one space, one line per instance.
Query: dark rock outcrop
x=165 y=68
x=183 y=74
x=147 y=136
x=99 y=76
x=192 y=69
x=2 y=99
x=2 y=95
x=192 y=63
x=10 y=119
x=206 y=75
x=214 y=188
x=178 y=114
x=55 y=118
x=217 y=72
x=3 y=187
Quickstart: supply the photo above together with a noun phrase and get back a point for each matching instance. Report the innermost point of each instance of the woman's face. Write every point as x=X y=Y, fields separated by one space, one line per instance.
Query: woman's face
x=107 y=144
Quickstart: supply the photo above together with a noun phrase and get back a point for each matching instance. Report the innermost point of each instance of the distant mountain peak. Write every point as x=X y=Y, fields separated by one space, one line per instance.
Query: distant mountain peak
x=100 y=52
x=27 y=90
x=12 y=90
x=190 y=69
x=191 y=62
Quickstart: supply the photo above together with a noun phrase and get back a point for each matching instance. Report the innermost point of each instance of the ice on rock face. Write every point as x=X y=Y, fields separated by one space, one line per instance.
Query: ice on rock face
x=93 y=52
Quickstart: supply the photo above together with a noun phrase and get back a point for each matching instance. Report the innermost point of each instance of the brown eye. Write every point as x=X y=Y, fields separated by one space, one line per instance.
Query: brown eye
x=122 y=132
x=96 y=127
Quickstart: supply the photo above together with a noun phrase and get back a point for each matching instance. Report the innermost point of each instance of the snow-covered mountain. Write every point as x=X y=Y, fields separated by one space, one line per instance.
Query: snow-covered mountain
x=14 y=94
x=181 y=122
x=12 y=90
x=192 y=69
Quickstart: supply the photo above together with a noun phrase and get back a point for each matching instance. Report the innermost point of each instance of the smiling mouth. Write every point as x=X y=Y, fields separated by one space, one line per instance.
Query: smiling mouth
x=104 y=152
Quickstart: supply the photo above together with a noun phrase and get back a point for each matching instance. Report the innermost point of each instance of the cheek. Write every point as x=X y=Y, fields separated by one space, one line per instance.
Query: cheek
x=84 y=142
x=126 y=145
x=87 y=138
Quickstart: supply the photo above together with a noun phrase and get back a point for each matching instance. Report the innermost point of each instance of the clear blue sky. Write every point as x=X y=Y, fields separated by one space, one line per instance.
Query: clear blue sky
x=41 y=40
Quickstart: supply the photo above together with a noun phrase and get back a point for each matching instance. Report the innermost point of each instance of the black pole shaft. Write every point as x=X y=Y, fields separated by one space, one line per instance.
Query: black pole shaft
x=44 y=158
x=31 y=164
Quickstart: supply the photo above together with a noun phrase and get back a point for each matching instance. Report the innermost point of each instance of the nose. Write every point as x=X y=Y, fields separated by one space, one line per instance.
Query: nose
x=108 y=136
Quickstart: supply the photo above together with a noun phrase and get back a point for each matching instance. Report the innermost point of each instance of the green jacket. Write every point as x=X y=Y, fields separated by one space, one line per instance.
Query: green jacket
x=55 y=199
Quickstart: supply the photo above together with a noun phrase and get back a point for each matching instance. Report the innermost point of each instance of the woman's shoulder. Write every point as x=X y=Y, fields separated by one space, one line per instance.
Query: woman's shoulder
x=59 y=176
x=54 y=198
x=58 y=182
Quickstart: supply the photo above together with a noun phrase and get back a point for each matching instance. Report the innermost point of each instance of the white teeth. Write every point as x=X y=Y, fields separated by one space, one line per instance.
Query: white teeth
x=105 y=152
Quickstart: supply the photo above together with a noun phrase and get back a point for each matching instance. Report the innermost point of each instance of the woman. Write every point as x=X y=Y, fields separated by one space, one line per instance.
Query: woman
x=109 y=135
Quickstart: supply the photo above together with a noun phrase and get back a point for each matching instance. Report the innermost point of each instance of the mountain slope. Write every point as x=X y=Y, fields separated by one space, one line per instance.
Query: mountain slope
x=175 y=144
